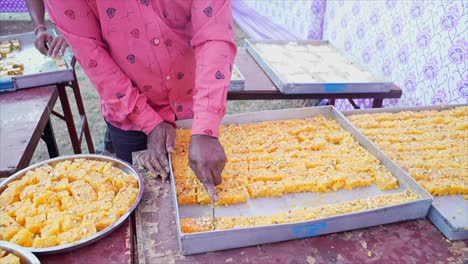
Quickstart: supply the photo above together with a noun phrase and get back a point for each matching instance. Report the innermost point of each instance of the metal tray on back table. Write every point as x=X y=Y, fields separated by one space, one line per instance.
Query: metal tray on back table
x=237 y=80
x=378 y=84
x=445 y=211
x=39 y=70
x=127 y=168
x=192 y=243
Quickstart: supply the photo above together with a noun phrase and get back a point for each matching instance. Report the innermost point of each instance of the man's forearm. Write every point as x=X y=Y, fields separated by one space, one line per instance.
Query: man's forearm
x=36 y=11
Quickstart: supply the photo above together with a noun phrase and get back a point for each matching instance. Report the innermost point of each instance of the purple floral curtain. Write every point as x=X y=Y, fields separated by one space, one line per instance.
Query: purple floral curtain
x=280 y=19
x=13 y=6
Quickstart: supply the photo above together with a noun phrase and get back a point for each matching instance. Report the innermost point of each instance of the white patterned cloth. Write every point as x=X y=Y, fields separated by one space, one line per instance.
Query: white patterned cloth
x=421 y=46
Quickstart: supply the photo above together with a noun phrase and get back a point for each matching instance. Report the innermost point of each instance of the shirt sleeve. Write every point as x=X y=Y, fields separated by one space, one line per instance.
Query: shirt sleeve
x=122 y=102
x=215 y=50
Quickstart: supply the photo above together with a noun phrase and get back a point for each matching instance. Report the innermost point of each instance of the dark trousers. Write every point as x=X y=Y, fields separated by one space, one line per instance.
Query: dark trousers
x=126 y=142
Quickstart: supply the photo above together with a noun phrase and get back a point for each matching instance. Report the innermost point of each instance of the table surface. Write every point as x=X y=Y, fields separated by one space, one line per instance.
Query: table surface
x=23 y=116
x=416 y=241
x=258 y=85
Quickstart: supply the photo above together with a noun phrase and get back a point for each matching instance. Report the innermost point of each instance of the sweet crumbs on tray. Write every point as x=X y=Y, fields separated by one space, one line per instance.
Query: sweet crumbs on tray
x=432 y=146
x=273 y=158
x=64 y=203
x=204 y=224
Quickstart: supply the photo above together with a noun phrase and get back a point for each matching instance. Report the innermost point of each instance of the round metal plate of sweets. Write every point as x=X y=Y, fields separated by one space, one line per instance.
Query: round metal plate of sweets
x=124 y=166
x=22 y=253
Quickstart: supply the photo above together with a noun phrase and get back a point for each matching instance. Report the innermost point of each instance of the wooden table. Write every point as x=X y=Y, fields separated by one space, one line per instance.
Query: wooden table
x=24 y=119
x=258 y=86
x=415 y=241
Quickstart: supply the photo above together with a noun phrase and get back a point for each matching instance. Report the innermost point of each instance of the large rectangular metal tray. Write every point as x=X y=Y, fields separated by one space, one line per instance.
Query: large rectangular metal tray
x=332 y=65
x=39 y=70
x=193 y=243
x=127 y=168
x=237 y=80
x=448 y=213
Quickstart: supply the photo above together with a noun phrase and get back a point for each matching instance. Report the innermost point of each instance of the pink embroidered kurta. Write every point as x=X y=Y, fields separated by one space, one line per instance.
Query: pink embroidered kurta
x=153 y=61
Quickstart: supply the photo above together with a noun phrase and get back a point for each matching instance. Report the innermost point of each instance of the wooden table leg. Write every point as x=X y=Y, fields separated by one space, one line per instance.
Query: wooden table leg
x=377 y=103
x=49 y=138
x=68 y=116
x=84 y=120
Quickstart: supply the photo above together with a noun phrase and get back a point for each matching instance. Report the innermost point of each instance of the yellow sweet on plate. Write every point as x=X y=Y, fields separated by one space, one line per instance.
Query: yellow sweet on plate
x=64 y=202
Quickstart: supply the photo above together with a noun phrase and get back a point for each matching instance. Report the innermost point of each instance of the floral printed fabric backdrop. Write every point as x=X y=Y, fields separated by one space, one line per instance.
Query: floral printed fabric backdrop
x=419 y=45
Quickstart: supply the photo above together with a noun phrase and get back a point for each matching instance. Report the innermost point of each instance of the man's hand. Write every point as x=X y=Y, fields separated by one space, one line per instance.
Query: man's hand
x=56 y=47
x=207 y=160
x=160 y=141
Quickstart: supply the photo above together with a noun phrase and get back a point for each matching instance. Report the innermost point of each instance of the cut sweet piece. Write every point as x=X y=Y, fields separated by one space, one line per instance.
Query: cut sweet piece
x=23 y=238
x=386 y=181
x=265 y=189
x=67 y=202
x=42 y=242
x=223 y=223
x=291 y=216
x=357 y=180
x=264 y=175
x=202 y=195
x=28 y=192
x=51 y=229
x=87 y=229
x=101 y=219
x=82 y=191
x=295 y=184
x=69 y=222
x=36 y=223
x=232 y=196
x=191 y=225
x=27 y=209
x=44 y=197
x=125 y=198
x=186 y=194
x=8 y=227
x=11 y=193
x=325 y=183
x=69 y=236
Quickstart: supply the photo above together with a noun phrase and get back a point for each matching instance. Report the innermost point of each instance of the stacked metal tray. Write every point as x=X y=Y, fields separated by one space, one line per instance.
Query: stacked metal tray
x=311 y=67
x=192 y=243
x=127 y=168
x=237 y=80
x=448 y=213
x=39 y=70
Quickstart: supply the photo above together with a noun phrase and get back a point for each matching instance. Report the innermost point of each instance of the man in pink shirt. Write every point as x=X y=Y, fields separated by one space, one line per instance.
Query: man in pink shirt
x=152 y=62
